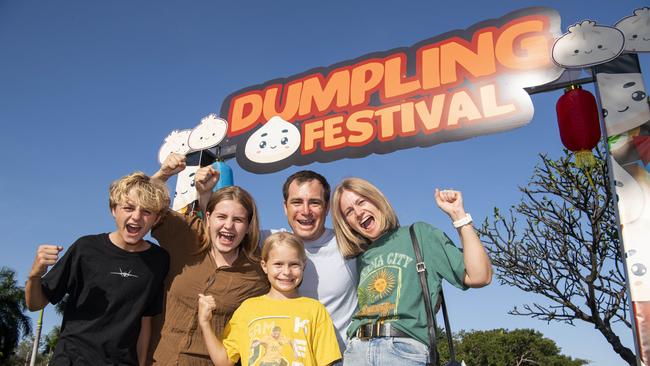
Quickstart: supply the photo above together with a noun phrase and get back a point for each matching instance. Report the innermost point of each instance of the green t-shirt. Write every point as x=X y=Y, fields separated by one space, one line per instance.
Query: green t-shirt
x=389 y=287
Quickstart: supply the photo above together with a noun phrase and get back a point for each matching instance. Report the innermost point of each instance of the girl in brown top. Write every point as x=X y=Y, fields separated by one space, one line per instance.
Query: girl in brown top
x=216 y=256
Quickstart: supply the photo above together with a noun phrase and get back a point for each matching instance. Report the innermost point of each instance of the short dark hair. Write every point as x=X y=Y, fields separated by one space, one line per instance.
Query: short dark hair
x=305 y=176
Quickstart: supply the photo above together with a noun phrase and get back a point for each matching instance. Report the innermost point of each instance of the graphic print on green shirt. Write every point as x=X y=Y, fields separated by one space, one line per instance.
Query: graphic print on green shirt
x=379 y=290
x=389 y=289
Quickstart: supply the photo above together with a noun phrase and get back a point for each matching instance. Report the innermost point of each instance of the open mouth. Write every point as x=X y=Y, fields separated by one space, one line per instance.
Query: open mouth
x=227 y=236
x=365 y=223
x=133 y=229
x=306 y=222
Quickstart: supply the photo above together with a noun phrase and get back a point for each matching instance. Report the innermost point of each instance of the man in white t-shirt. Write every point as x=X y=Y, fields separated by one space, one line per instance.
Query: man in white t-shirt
x=328 y=277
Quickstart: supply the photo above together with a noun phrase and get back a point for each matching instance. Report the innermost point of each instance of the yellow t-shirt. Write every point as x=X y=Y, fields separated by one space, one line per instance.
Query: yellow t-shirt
x=291 y=332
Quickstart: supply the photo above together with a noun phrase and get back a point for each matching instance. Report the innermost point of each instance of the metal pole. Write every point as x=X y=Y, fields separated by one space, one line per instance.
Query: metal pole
x=37 y=339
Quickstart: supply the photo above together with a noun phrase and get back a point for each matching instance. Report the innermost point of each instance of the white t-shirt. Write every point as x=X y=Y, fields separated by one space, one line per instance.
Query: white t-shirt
x=330 y=279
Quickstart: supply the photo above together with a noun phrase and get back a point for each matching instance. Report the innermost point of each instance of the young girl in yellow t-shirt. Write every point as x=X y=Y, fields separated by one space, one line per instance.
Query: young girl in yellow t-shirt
x=279 y=328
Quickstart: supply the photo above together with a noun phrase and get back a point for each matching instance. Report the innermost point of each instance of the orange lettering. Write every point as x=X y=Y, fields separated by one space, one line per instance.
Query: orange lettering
x=333 y=133
x=386 y=122
x=245 y=110
x=395 y=71
x=361 y=123
x=365 y=78
x=291 y=101
x=479 y=63
x=462 y=107
x=431 y=117
x=311 y=132
x=317 y=99
x=529 y=52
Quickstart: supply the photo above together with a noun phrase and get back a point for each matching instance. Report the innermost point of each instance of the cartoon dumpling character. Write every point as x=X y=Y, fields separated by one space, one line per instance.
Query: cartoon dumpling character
x=624 y=101
x=636 y=29
x=587 y=44
x=276 y=140
x=175 y=142
x=209 y=133
x=185 y=192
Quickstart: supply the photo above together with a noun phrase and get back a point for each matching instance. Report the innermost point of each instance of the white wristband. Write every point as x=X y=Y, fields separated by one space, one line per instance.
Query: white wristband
x=463 y=221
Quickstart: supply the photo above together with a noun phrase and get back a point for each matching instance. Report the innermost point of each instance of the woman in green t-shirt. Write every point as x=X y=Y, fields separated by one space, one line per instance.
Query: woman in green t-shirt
x=390 y=326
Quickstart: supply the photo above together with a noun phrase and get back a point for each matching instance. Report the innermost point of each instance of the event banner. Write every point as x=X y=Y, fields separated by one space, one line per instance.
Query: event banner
x=627 y=123
x=457 y=85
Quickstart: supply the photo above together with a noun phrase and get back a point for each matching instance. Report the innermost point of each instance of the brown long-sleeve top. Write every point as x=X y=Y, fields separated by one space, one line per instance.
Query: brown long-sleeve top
x=176 y=338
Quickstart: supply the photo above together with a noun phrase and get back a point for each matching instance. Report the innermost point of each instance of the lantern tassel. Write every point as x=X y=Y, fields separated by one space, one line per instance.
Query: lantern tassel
x=585 y=159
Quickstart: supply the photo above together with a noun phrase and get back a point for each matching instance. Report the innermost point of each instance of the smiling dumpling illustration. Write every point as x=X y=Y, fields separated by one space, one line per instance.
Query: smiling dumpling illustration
x=624 y=101
x=587 y=44
x=636 y=29
x=185 y=192
x=275 y=141
x=209 y=133
x=175 y=142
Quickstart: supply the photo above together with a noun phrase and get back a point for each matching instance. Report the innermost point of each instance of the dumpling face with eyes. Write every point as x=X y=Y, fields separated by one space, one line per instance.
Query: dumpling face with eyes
x=275 y=141
x=185 y=192
x=636 y=29
x=209 y=133
x=624 y=101
x=175 y=142
x=587 y=44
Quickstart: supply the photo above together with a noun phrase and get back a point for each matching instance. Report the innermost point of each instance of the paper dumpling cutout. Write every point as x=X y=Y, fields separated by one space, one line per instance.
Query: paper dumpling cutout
x=209 y=133
x=636 y=29
x=587 y=44
x=175 y=142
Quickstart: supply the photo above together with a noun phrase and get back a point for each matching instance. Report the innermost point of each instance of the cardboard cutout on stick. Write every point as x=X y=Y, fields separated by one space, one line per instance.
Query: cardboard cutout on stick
x=207 y=134
x=176 y=142
x=588 y=44
x=636 y=29
x=451 y=87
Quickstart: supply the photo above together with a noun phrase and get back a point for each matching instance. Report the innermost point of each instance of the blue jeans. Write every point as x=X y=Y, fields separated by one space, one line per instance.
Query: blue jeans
x=385 y=351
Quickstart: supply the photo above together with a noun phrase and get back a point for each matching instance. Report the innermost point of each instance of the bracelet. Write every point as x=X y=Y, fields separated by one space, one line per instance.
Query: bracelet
x=463 y=221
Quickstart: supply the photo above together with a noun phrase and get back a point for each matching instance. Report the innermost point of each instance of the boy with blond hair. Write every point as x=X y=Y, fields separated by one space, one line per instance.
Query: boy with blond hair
x=114 y=281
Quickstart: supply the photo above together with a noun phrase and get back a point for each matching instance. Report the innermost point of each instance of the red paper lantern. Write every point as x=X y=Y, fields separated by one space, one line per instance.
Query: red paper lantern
x=577 y=117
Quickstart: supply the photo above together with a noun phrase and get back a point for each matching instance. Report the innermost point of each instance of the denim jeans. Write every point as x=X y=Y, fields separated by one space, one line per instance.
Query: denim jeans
x=385 y=351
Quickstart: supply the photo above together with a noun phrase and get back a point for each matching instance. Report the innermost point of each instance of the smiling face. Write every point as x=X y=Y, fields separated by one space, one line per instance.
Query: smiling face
x=361 y=215
x=133 y=222
x=306 y=209
x=175 y=142
x=209 y=133
x=588 y=44
x=284 y=267
x=275 y=141
x=227 y=225
x=185 y=192
x=636 y=29
x=624 y=101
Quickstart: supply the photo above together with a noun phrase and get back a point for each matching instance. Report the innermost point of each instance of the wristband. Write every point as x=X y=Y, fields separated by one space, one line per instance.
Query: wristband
x=463 y=221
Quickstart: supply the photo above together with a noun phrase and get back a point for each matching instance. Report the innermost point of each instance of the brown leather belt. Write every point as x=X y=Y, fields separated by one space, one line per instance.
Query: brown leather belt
x=368 y=331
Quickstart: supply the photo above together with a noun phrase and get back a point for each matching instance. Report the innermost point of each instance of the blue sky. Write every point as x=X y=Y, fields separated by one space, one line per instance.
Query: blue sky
x=89 y=90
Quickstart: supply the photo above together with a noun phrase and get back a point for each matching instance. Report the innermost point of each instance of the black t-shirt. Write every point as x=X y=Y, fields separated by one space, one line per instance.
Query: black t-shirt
x=110 y=290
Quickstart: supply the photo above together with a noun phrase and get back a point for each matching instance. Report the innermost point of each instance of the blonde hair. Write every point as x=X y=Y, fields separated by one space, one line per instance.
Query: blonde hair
x=283 y=238
x=151 y=194
x=234 y=193
x=350 y=242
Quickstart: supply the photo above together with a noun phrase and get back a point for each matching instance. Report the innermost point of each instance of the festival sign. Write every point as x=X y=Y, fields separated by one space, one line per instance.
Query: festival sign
x=450 y=87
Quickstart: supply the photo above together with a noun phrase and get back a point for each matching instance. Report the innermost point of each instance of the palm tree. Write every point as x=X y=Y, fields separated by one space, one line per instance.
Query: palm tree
x=13 y=321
